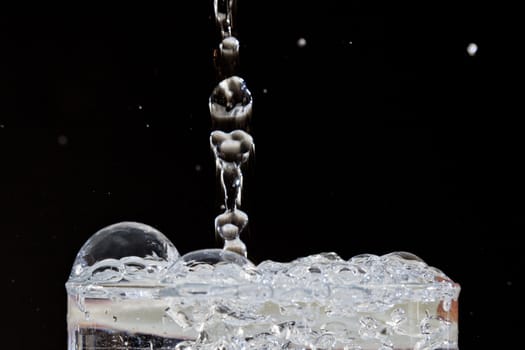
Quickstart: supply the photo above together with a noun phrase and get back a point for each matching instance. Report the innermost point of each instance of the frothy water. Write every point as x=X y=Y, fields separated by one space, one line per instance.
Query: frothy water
x=213 y=296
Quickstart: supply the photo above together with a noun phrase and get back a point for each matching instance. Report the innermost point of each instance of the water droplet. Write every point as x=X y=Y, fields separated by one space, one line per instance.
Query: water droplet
x=235 y=146
x=265 y=91
x=62 y=140
x=231 y=104
x=140 y=107
x=228 y=57
x=301 y=42
x=147 y=125
x=472 y=49
x=230 y=224
x=198 y=167
x=350 y=42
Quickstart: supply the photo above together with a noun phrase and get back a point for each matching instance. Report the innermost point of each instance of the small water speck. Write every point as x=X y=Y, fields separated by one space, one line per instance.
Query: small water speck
x=109 y=193
x=198 y=167
x=350 y=42
x=265 y=91
x=62 y=140
x=13 y=281
x=301 y=42
x=147 y=125
x=2 y=126
x=509 y=283
x=140 y=107
x=472 y=49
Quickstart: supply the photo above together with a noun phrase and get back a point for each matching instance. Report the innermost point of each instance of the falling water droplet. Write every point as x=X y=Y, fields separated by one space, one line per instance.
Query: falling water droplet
x=231 y=104
x=301 y=42
x=472 y=49
x=228 y=57
x=230 y=224
x=235 y=146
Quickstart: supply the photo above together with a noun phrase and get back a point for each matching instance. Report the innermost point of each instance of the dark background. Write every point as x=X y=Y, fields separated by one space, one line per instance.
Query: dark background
x=381 y=134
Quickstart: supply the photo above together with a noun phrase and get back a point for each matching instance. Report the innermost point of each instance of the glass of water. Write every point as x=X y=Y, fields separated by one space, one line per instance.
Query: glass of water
x=130 y=289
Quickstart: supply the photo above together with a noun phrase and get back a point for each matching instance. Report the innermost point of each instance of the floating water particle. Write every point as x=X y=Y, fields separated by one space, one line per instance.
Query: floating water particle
x=62 y=140
x=2 y=126
x=509 y=283
x=265 y=91
x=301 y=42
x=147 y=125
x=140 y=107
x=472 y=49
x=198 y=167
x=350 y=42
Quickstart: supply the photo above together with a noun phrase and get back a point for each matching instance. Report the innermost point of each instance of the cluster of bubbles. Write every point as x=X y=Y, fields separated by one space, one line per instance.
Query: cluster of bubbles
x=214 y=293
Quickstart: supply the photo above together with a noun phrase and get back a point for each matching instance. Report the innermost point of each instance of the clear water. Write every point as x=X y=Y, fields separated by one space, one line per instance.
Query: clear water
x=216 y=299
x=130 y=288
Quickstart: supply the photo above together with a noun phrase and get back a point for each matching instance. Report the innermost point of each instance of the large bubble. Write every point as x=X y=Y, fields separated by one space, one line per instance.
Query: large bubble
x=123 y=251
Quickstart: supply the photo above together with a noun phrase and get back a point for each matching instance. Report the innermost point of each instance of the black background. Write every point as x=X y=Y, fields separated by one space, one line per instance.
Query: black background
x=381 y=134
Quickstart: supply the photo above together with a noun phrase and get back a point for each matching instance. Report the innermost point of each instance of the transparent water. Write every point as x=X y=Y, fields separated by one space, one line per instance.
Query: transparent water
x=216 y=299
x=130 y=288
